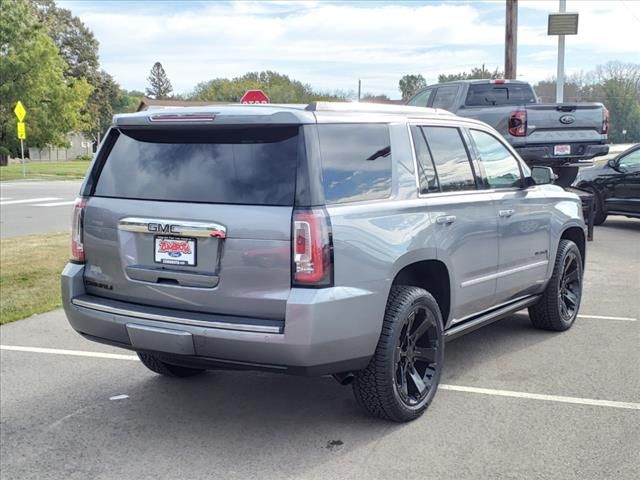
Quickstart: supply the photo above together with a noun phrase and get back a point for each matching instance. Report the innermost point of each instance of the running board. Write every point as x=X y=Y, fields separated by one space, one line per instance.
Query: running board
x=487 y=318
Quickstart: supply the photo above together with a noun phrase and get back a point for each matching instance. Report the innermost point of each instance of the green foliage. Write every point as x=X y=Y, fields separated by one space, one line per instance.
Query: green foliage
x=127 y=101
x=160 y=86
x=476 y=73
x=410 y=84
x=372 y=98
x=32 y=71
x=278 y=87
x=77 y=45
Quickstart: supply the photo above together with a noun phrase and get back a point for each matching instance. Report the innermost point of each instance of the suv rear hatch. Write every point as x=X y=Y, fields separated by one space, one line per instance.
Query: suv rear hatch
x=194 y=218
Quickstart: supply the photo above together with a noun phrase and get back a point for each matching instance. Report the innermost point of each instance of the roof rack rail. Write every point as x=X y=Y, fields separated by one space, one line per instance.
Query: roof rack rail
x=356 y=107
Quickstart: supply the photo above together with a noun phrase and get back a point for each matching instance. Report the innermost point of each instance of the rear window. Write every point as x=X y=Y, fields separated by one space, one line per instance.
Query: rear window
x=482 y=94
x=356 y=162
x=252 y=166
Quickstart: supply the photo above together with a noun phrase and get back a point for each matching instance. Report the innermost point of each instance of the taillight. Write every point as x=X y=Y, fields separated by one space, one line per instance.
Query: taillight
x=77 y=244
x=311 y=246
x=605 y=121
x=518 y=123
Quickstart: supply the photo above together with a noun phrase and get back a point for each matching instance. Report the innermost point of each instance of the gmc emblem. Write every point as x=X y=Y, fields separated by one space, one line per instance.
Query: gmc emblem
x=163 y=228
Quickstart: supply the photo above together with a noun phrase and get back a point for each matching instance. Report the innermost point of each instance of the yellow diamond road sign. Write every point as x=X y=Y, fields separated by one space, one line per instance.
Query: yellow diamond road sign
x=20 y=111
x=22 y=131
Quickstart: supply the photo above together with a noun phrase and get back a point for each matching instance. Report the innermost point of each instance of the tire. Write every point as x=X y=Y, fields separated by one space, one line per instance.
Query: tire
x=599 y=215
x=558 y=308
x=409 y=356
x=153 y=363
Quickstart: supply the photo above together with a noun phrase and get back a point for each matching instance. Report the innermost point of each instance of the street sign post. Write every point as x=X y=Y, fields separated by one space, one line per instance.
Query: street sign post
x=20 y=112
x=254 y=96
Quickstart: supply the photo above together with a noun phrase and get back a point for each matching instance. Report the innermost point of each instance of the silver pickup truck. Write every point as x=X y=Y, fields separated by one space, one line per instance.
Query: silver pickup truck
x=547 y=134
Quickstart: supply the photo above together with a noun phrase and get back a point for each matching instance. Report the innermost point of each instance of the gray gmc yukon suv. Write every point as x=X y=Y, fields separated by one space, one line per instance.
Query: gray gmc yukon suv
x=343 y=239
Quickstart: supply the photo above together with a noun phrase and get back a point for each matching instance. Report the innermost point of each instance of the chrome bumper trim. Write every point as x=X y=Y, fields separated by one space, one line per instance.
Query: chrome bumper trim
x=242 y=327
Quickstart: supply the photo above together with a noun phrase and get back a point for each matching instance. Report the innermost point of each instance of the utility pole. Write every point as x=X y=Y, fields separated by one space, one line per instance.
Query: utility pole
x=511 y=39
x=359 y=88
x=560 y=75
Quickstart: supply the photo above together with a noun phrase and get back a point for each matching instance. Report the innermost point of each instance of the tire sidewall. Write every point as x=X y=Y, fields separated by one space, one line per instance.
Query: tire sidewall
x=428 y=303
x=568 y=248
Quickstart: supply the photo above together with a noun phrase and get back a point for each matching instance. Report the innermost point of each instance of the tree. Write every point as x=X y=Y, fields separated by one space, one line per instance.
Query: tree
x=280 y=89
x=477 y=73
x=410 y=84
x=160 y=86
x=372 y=98
x=77 y=45
x=32 y=71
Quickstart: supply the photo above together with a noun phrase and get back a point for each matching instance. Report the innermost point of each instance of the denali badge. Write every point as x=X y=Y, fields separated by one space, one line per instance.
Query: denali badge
x=567 y=119
x=163 y=228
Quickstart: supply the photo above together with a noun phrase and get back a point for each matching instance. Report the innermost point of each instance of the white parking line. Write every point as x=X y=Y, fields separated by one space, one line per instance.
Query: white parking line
x=455 y=388
x=73 y=353
x=538 y=396
x=55 y=204
x=604 y=317
x=30 y=200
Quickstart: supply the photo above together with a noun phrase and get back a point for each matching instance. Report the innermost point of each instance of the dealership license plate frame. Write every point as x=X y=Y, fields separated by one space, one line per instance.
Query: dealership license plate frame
x=165 y=258
x=561 y=150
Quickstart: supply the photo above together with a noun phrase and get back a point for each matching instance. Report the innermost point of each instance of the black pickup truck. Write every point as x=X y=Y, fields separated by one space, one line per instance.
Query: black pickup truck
x=563 y=136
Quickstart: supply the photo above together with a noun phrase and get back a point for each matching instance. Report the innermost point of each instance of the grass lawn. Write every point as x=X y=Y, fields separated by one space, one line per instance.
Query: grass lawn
x=30 y=274
x=74 y=169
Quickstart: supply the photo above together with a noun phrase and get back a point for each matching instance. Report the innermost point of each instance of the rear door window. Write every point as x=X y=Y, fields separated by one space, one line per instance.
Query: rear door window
x=356 y=162
x=451 y=159
x=445 y=96
x=252 y=166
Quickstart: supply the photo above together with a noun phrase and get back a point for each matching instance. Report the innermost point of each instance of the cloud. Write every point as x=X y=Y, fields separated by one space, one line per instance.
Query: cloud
x=331 y=45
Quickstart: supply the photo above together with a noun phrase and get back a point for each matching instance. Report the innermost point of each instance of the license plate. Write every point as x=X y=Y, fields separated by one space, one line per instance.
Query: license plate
x=562 y=150
x=175 y=250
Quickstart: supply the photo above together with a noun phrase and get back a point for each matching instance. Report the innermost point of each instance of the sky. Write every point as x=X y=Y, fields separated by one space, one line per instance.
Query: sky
x=330 y=44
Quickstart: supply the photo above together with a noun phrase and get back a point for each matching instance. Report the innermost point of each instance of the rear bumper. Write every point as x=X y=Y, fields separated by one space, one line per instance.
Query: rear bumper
x=325 y=331
x=581 y=153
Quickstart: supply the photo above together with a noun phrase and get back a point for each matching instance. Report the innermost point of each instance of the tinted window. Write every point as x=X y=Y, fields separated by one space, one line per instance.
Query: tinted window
x=631 y=161
x=500 y=167
x=356 y=162
x=421 y=99
x=499 y=94
x=426 y=172
x=451 y=159
x=243 y=166
x=445 y=96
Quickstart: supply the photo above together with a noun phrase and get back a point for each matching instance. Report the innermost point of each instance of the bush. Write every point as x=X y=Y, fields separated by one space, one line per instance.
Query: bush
x=84 y=158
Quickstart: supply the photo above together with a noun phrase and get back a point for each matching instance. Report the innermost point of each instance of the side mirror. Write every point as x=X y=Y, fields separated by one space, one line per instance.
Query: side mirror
x=541 y=176
x=613 y=164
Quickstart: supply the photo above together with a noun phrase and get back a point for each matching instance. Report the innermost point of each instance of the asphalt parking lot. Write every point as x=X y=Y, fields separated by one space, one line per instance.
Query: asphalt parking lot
x=516 y=403
x=28 y=207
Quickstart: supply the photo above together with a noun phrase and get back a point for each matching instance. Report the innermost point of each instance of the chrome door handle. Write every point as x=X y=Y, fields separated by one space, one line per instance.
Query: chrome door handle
x=446 y=219
x=506 y=213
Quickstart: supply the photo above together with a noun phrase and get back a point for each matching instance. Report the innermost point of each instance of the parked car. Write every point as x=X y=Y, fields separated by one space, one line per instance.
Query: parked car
x=615 y=185
x=563 y=136
x=340 y=239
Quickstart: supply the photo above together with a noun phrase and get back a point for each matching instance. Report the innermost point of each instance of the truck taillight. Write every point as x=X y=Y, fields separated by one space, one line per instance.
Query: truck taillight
x=312 y=249
x=77 y=234
x=605 y=121
x=518 y=123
